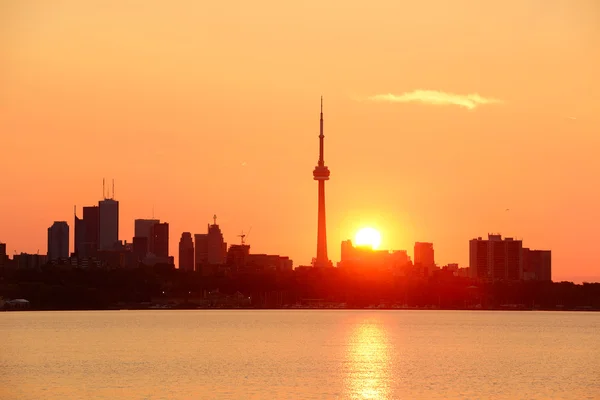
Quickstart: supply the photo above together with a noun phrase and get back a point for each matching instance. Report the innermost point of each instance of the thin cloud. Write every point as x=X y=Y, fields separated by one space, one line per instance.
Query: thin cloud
x=435 y=97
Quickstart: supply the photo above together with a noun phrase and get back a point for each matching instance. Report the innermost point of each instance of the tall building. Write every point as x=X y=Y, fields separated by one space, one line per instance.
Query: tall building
x=186 y=252
x=210 y=249
x=159 y=240
x=537 y=265
x=3 y=256
x=495 y=258
x=321 y=174
x=424 y=255
x=217 y=248
x=200 y=250
x=79 y=237
x=58 y=241
x=91 y=219
x=143 y=229
x=108 y=226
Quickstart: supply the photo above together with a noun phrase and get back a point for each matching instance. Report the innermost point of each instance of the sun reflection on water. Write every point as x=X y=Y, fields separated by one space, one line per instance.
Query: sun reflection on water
x=367 y=374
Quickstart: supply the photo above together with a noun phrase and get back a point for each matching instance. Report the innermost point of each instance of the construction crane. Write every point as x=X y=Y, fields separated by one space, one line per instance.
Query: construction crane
x=243 y=236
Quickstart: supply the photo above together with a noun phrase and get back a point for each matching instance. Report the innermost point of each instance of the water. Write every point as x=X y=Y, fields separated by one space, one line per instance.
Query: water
x=299 y=354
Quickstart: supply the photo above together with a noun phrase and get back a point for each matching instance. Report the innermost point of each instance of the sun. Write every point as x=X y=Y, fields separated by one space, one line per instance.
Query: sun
x=368 y=237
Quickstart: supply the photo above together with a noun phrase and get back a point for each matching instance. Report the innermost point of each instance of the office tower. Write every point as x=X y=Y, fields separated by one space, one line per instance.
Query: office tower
x=79 y=237
x=143 y=229
x=200 y=250
x=91 y=217
x=216 y=246
x=495 y=258
x=186 y=252
x=159 y=240
x=3 y=256
x=58 y=241
x=108 y=225
x=424 y=255
x=210 y=247
x=321 y=174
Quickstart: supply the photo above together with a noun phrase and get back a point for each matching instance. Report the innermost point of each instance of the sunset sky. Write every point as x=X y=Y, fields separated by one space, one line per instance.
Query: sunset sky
x=439 y=116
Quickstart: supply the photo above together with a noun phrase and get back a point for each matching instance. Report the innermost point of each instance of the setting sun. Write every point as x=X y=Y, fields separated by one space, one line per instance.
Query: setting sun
x=368 y=237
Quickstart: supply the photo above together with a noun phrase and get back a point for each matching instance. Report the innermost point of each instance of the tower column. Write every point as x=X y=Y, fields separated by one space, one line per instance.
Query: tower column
x=321 y=174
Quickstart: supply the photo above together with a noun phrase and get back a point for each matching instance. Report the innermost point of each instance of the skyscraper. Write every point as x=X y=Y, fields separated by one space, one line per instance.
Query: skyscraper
x=210 y=249
x=58 y=241
x=79 y=237
x=91 y=218
x=159 y=240
x=424 y=256
x=108 y=224
x=186 y=252
x=321 y=174
x=143 y=229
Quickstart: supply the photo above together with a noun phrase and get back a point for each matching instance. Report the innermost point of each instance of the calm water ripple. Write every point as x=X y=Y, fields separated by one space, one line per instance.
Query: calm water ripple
x=299 y=354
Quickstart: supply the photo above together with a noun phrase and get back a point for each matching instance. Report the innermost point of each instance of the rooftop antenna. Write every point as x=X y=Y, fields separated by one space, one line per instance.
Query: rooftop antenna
x=113 y=188
x=103 y=189
x=215 y=219
x=243 y=236
x=152 y=211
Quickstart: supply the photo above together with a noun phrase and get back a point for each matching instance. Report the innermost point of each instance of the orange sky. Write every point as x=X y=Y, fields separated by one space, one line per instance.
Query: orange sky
x=199 y=108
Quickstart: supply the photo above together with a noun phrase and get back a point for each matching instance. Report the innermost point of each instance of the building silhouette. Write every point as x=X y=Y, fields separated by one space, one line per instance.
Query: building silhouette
x=496 y=258
x=364 y=258
x=3 y=255
x=321 y=174
x=159 y=240
x=58 y=241
x=186 y=252
x=210 y=248
x=108 y=232
x=79 y=237
x=143 y=234
x=537 y=265
x=423 y=255
x=91 y=220
x=238 y=256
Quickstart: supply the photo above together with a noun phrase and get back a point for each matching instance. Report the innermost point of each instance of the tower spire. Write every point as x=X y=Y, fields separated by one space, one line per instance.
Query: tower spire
x=321 y=174
x=321 y=137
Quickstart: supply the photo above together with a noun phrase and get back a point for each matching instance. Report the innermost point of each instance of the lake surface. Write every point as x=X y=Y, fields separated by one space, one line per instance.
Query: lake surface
x=299 y=354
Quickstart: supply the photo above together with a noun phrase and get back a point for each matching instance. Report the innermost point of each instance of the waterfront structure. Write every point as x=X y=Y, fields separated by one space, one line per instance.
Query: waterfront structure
x=58 y=241
x=321 y=174
x=186 y=252
x=159 y=240
x=496 y=258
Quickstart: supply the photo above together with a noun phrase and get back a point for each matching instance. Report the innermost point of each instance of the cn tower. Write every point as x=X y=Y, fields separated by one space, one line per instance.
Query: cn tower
x=321 y=174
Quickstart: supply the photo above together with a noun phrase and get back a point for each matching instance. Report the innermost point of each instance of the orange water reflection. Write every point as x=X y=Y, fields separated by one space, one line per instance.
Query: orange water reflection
x=368 y=362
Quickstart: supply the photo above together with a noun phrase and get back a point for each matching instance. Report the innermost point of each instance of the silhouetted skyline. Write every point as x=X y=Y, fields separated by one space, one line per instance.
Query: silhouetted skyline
x=441 y=116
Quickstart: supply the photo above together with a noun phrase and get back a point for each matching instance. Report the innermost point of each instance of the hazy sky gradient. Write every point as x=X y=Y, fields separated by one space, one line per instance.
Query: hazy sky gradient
x=197 y=108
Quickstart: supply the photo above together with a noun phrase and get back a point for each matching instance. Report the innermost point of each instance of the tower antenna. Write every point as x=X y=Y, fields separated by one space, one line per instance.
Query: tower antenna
x=103 y=188
x=113 y=189
x=215 y=219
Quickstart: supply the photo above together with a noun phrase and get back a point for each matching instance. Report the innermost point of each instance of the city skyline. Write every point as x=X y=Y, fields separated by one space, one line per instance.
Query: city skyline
x=192 y=127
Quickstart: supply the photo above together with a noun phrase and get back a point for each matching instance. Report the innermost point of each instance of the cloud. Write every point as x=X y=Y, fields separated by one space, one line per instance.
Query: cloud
x=434 y=97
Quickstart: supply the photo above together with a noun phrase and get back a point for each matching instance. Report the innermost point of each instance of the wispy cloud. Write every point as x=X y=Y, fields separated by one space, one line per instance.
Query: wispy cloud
x=435 y=97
